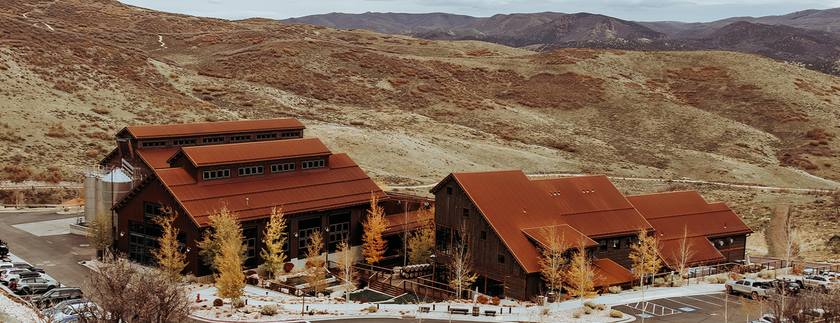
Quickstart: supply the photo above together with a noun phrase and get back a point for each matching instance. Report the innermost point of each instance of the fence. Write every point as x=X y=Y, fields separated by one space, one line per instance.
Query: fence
x=382 y=279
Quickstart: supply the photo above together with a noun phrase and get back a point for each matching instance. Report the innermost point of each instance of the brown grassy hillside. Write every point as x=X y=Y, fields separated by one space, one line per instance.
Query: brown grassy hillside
x=408 y=110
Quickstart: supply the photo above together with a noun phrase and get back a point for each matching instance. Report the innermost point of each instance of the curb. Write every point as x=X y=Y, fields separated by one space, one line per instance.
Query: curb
x=330 y=318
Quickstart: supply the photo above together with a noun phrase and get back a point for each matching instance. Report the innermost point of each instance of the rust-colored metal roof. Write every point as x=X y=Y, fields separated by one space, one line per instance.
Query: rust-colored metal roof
x=247 y=152
x=157 y=158
x=343 y=184
x=211 y=128
x=670 y=213
x=397 y=222
x=511 y=202
x=701 y=251
x=609 y=273
x=569 y=237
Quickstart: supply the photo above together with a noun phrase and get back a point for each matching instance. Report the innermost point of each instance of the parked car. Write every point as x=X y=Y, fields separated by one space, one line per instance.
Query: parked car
x=819 y=282
x=790 y=287
x=62 y=305
x=34 y=285
x=12 y=275
x=56 y=296
x=71 y=312
x=20 y=265
x=751 y=287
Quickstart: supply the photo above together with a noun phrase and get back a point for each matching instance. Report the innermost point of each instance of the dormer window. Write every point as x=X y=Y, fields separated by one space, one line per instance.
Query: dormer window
x=287 y=167
x=240 y=138
x=212 y=140
x=267 y=136
x=308 y=164
x=253 y=170
x=290 y=134
x=154 y=143
x=216 y=174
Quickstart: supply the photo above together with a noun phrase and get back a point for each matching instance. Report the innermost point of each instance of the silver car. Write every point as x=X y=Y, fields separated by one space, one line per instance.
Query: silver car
x=35 y=285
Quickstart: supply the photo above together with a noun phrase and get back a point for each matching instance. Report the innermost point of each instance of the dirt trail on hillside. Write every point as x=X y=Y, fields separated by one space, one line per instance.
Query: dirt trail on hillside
x=778 y=226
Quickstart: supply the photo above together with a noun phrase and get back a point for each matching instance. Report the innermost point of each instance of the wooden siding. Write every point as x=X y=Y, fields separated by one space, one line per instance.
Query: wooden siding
x=734 y=251
x=620 y=256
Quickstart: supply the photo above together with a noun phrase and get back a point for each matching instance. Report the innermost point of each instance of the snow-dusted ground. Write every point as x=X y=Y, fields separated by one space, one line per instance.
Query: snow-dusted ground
x=15 y=309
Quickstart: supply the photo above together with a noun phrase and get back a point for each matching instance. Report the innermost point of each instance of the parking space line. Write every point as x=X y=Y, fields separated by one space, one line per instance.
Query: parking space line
x=681 y=303
x=700 y=300
x=723 y=298
x=656 y=309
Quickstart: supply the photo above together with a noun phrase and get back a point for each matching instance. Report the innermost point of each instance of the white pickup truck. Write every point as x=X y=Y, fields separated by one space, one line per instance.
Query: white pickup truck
x=823 y=283
x=752 y=287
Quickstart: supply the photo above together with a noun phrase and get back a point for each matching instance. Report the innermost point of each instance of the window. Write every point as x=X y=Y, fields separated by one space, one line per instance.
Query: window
x=184 y=142
x=339 y=226
x=267 y=136
x=154 y=143
x=290 y=134
x=629 y=241
x=501 y=258
x=212 y=140
x=240 y=138
x=308 y=164
x=730 y=240
x=603 y=244
x=483 y=235
x=448 y=190
x=616 y=243
x=253 y=170
x=216 y=174
x=466 y=212
x=719 y=243
x=287 y=167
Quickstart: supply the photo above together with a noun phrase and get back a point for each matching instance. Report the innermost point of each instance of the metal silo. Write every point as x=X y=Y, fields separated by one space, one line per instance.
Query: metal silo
x=111 y=187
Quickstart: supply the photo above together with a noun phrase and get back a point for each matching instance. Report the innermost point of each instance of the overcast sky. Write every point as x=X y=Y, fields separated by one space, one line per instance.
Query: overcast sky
x=638 y=10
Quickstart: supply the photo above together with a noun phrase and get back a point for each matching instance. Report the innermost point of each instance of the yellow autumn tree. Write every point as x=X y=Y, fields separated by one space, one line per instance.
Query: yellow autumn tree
x=316 y=273
x=580 y=276
x=169 y=256
x=223 y=227
x=645 y=255
x=373 y=244
x=275 y=237
x=421 y=242
x=552 y=260
x=224 y=243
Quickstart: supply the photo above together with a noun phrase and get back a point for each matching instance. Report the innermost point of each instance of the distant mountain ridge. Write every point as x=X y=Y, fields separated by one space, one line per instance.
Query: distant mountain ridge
x=808 y=37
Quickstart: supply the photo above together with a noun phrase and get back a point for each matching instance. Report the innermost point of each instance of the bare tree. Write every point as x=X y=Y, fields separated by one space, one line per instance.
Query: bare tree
x=275 y=237
x=100 y=233
x=751 y=307
x=646 y=261
x=685 y=252
x=461 y=276
x=127 y=292
x=373 y=245
x=344 y=261
x=169 y=256
x=552 y=259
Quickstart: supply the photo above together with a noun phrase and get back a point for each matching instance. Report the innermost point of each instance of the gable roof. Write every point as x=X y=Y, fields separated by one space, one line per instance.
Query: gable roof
x=609 y=273
x=509 y=201
x=343 y=184
x=210 y=128
x=212 y=155
x=569 y=237
x=671 y=213
x=157 y=158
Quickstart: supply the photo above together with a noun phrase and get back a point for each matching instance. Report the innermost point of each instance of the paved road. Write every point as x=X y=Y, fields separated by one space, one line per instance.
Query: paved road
x=366 y=320
x=39 y=238
x=691 y=309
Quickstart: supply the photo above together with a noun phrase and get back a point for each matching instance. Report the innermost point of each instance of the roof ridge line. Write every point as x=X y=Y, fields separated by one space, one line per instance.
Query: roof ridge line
x=578 y=213
x=275 y=190
x=229 y=162
x=686 y=214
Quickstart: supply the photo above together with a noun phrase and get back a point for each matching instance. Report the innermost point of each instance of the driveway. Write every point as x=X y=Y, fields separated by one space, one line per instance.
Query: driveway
x=42 y=238
x=690 y=309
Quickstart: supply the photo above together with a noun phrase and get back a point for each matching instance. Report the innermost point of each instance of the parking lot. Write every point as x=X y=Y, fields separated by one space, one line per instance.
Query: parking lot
x=42 y=239
x=691 y=309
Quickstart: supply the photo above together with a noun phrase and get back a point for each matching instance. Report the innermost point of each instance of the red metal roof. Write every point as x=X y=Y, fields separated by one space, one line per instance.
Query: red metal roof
x=157 y=158
x=343 y=184
x=609 y=273
x=211 y=128
x=701 y=252
x=511 y=202
x=569 y=237
x=671 y=213
x=397 y=222
x=212 y=155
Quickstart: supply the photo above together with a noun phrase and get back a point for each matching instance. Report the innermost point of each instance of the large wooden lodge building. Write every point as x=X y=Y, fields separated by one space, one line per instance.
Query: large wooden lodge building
x=503 y=213
x=253 y=166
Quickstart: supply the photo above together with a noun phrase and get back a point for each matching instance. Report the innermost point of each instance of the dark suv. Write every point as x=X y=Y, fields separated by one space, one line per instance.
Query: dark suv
x=55 y=296
x=20 y=265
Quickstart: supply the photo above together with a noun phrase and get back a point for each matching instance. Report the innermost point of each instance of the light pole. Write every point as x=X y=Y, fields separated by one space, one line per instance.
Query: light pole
x=405 y=232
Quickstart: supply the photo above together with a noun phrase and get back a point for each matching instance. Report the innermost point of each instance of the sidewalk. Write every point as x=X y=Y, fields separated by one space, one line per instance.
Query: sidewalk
x=507 y=311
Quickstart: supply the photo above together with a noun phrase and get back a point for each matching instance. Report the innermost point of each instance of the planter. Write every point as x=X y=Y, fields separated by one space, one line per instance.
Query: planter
x=288 y=267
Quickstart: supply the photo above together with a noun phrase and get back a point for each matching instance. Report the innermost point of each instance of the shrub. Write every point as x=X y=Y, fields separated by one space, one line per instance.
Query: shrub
x=57 y=131
x=288 y=267
x=601 y=307
x=218 y=302
x=814 y=142
x=92 y=153
x=17 y=174
x=615 y=289
x=717 y=279
x=372 y=309
x=269 y=310
x=481 y=299
x=589 y=304
x=587 y=310
x=397 y=80
x=797 y=269
x=495 y=301
x=659 y=282
x=616 y=314
x=577 y=313
x=544 y=311
x=237 y=302
x=765 y=274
